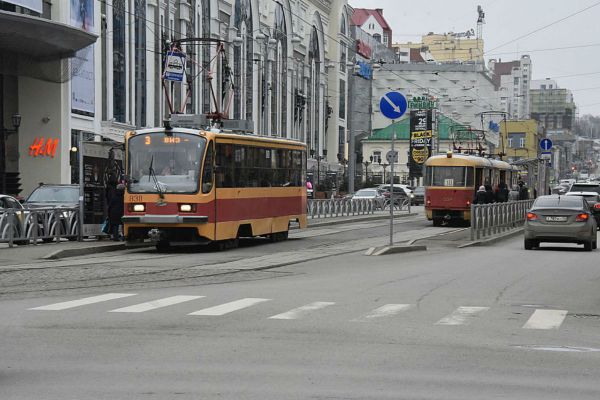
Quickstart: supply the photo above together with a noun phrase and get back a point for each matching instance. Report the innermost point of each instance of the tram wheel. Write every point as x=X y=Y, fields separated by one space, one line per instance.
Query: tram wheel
x=528 y=244
x=437 y=222
x=163 y=245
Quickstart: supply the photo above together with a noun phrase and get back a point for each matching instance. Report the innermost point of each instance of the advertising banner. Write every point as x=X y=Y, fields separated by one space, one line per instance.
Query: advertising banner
x=421 y=141
x=83 y=96
x=175 y=66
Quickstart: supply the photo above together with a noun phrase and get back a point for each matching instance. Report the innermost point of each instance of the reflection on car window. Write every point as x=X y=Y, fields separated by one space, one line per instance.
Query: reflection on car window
x=559 y=201
x=55 y=194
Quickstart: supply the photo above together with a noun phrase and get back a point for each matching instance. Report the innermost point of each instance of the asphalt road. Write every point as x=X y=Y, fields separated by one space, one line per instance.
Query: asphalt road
x=475 y=323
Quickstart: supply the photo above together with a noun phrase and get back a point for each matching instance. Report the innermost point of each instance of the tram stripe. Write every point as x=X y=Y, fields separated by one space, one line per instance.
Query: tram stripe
x=385 y=311
x=229 y=307
x=299 y=312
x=152 y=305
x=461 y=316
x=545 y=319
x=82 y=302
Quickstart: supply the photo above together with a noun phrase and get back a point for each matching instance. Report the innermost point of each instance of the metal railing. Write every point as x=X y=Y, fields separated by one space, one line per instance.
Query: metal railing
x=492 y=219
x=331 y=208
x=31 y=225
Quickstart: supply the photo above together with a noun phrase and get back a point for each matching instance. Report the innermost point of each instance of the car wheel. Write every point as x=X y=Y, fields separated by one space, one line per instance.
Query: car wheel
x=594 y=245
x=528 y=244
x=588 y=246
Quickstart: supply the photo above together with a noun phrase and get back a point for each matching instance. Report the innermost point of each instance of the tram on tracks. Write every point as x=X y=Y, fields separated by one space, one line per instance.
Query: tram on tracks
x=452 y=179
x=188 y=186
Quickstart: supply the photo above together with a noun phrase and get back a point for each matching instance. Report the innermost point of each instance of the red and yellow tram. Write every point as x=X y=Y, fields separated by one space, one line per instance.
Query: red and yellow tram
x=194 y=186
x=452 y=179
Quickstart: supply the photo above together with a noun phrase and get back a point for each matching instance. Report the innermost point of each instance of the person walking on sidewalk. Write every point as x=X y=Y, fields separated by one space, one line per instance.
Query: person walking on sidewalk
x=116 y=209
x=481 y=196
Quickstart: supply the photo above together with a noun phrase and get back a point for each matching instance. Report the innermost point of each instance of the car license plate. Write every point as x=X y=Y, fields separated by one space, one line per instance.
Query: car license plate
x=556 y=219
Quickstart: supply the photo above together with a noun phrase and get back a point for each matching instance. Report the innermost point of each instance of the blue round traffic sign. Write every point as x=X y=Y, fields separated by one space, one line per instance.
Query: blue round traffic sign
x=393 y=105
x=545 y=144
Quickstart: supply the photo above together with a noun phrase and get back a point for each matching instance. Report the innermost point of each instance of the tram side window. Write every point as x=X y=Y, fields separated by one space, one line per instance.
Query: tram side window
x=224 y=161
x=207 y=171
x=428 y=176
x=470 y=177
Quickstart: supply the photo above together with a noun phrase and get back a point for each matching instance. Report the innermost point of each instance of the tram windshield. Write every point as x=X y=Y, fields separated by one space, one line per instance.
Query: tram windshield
x=449 y=176
x=158 y=163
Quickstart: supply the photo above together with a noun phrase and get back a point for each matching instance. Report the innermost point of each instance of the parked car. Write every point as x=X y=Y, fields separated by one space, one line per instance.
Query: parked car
x=419 y=195
x=18 y=220
x=372 y=193
x=400 y=190
x=54 y=196
x=585 y=187
x=560 y=219
x=593 y=200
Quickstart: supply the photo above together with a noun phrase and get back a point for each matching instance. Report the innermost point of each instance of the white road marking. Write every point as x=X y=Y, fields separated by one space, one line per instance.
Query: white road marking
x=82 y=302
x=152 y=305
x=461 y=315
x=229 y=307
x=385 y=311
x=546 y=319
x=301 y=311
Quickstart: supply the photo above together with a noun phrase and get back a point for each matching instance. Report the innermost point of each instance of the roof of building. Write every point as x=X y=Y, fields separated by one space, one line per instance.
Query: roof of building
x=402 y=129
x=360 y=16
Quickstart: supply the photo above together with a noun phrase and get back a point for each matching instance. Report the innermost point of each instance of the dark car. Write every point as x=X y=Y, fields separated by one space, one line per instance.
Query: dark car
x=55 y=196
x=560 y=219
x=419 y=195
x=593 y=200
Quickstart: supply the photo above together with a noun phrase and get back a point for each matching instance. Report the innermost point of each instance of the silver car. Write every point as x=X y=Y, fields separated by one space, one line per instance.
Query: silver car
x=560 y=219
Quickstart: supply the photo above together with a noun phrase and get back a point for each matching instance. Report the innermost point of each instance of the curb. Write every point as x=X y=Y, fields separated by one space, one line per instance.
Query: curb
x=367 y=218
x=492 y=240
x=64 y=253
x=381 y=251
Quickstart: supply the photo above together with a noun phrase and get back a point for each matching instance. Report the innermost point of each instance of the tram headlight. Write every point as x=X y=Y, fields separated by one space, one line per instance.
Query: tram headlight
x=138 y=208
x=186 y=208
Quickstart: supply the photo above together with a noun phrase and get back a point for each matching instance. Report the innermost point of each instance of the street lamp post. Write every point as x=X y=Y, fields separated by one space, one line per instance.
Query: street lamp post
x=384 y=165
x=367 y=163
x=16 y=122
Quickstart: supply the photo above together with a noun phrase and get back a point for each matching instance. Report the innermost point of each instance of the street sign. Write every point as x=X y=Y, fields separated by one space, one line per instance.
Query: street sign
x=546 y=155
x=175 y=66
x=545 y=144
x=390 y=158
x=393 y=105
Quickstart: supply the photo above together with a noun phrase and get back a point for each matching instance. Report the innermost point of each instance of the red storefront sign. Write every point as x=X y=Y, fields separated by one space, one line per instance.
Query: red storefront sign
x=43 y=147
x=363 y=49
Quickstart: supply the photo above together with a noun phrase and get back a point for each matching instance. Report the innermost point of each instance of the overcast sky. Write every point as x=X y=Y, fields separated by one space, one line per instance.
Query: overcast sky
x=507 y=20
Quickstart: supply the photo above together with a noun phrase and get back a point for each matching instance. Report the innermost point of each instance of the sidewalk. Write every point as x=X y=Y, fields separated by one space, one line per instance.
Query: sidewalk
x=49 y=251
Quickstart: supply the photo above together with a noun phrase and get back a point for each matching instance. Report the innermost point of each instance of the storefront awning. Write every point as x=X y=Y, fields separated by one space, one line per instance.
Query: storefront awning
x=40 y=38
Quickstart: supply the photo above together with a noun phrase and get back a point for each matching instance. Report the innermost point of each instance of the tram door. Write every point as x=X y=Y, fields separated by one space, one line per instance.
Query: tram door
x=478 y=177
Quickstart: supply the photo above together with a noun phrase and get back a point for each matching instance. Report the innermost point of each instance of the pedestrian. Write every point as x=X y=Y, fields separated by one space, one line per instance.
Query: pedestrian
x=115 y=200
x=513 y=195
x=523 y=191
x=502 y=193
x=481 y=196
x=490 y=193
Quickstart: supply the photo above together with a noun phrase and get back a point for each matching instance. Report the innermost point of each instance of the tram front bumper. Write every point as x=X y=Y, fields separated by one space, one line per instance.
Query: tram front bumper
x=164 y=219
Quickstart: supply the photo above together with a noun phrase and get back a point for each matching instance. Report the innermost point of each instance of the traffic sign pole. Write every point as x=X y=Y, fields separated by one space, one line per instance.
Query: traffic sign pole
x=392 y=105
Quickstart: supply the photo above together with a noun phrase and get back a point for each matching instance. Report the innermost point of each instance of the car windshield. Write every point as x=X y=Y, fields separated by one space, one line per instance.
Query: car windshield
x=590 y=198
x=54 y=194
x=559 y=202
x=584 y=188
x=168 y=164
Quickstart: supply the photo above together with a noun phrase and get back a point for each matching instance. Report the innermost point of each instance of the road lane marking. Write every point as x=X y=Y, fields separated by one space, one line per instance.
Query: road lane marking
x=299 y=312
x=461 y=316
x=546 y=319
x=152 y=305
x=385 y=311
x=229 y=307
x=82 y=302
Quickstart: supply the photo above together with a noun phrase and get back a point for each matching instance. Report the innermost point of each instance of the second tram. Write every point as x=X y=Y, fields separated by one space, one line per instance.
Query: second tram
x=452 y=179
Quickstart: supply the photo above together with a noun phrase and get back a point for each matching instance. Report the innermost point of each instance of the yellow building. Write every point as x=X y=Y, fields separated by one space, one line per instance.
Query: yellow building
x=521 y=139
x=448 y=47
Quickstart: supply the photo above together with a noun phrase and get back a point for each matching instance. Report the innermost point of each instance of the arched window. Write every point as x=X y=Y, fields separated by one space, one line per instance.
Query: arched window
x=203 y=29
x=377 y=37
x=313 y=95
x=343 y=23
x=242 y=61
x=279 y=75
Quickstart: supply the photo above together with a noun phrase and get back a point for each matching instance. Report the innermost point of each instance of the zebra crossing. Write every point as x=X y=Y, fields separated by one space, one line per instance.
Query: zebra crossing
x=540 y=319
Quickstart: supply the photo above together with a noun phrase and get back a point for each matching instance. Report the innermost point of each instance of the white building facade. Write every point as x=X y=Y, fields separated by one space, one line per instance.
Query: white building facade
x=513 y=81
x=283 y=61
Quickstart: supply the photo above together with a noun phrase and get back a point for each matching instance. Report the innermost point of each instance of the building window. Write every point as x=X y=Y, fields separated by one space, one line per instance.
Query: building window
x=342 y=111
x=516 y=140
x=377 y=37
x=376 y=157
x=140 y=64
x=341 y=142
x=279 y=76
x=243 y=62
x=343 y=57
x=119 y=61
